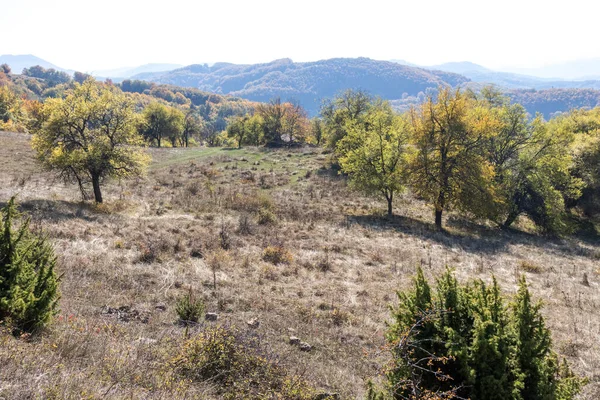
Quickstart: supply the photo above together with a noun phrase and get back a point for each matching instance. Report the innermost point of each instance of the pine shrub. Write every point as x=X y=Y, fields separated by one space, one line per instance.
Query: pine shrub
x=465 y=341
x=266 y=217
x=189 y=309
x=28 y=283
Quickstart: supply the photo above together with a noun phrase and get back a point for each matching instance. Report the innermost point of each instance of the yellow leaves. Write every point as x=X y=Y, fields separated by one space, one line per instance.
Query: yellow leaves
x=91 y=132
x=484 y=121
x=56 y=153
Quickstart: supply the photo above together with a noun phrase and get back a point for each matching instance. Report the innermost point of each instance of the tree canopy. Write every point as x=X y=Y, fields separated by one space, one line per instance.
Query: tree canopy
x=90 y=135
x=449 y=168
x=374 y=153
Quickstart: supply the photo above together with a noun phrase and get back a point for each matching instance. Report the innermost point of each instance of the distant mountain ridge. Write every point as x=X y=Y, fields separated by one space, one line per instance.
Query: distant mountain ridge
x=585 y=69
x=307 y=82
x=511 y=80
x=18 y=62
x=310 y=82
x=460 y=67
x=128 y=72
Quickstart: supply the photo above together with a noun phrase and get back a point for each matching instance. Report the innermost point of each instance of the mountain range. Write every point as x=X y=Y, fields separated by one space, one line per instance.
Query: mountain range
x=512 y=80
x=18 y=62
x=405 y=83
x=308 y=83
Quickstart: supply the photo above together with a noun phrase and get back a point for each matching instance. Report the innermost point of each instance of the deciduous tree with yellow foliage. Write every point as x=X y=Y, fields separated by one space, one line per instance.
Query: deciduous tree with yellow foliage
x=449 y=168
x=374 y=153
x=90 y=135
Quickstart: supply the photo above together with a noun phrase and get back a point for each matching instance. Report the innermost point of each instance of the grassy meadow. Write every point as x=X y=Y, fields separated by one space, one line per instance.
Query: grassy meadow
x=198 y=219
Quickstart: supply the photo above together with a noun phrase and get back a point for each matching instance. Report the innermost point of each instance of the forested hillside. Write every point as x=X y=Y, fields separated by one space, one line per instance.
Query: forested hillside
x=551 y=101
x=24 y=91
x=309 y=83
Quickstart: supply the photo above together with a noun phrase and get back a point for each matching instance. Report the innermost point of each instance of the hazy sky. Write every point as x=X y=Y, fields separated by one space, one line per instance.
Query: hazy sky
x=92 y=35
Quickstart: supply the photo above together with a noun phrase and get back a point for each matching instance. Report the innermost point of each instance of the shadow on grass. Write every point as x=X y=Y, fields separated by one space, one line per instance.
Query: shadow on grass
x=474 y=238
x=56 y=210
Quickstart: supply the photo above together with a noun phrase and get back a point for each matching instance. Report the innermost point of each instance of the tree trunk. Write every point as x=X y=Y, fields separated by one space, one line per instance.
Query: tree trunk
x=158 y=140
x=390 y=199
x=187 y=139
x=96 y=184
x=510 y=219
x=439 y=209
x=438 y=219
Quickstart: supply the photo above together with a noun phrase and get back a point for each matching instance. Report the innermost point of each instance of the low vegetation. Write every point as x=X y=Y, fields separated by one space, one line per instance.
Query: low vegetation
x=462 y=341
x=239 y=367
x=261 y=270
x=28 y=282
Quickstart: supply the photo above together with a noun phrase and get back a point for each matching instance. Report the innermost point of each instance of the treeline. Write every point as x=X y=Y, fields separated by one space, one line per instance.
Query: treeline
x=552 y=102
x=187 y=115
x=274 y=124
x=476 y=153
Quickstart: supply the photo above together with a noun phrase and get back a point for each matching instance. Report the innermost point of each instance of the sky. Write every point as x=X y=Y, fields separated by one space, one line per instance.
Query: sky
x=90 y=35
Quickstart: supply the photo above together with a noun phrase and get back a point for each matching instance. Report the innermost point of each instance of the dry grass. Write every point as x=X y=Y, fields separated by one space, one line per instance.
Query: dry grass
x=156 y=239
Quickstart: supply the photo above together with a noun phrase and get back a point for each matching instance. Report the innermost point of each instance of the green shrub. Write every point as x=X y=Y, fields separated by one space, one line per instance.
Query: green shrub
x=462 y=340
x=238 y=366
x=28 y=283
x=266 y=216
x=189 y=309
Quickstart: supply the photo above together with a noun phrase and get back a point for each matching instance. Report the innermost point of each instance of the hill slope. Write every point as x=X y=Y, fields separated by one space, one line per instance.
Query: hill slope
x=124 y=267
x=309 y=82
x=551 y=101
x=18 y=62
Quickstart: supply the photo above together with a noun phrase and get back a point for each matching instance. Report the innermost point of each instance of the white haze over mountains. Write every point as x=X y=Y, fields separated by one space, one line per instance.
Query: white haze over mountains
x=109 y=34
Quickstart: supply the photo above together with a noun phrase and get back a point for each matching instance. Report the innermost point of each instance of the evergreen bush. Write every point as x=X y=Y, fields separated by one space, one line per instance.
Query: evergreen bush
x=463 y=341
x=28 y=283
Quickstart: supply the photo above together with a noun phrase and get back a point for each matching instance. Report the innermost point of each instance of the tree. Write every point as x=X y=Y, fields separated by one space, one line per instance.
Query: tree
x=537 y=366
x=192 y=125
x=584 y=125
x=374 y=154
x=160 y=122
x=317 y=131
x=237 y=129
x=5 y=68
x=531 y=167
x=80 y=77
x=9 y=104
x=255 y=130
x=50 y=75
x=346 y=108
x=89 y=136
x=28 y=283
x=211 y=132
x=273 y=115
x=175 y=127
x=296 y=124
x=449 y=167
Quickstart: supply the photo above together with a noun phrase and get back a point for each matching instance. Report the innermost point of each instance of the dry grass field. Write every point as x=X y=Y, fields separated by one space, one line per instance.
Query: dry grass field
x=125 y=263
